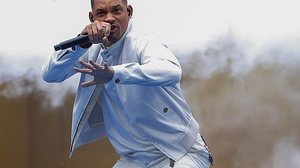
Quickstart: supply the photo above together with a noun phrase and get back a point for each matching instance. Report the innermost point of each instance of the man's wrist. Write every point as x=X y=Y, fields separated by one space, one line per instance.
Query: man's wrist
x=112 y=72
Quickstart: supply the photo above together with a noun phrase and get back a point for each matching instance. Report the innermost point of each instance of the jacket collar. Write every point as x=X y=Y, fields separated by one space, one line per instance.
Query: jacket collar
x=98 y=51
x=116 y=48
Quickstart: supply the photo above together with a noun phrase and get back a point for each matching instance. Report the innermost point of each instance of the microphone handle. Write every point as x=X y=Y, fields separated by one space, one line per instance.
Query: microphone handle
x=71 y=42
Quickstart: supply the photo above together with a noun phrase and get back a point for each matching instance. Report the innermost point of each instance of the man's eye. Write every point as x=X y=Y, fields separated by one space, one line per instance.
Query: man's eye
x=100 y=13
x=117 y=10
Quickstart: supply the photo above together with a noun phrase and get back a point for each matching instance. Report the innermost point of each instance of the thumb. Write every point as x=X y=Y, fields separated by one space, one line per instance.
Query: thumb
x=105 y=41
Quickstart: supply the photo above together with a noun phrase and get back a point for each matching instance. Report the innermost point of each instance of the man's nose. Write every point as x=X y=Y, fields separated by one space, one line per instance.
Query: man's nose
x=110 y=18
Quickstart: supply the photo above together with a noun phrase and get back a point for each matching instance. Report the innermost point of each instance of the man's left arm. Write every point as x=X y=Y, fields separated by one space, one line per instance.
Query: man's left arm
x=157 y=67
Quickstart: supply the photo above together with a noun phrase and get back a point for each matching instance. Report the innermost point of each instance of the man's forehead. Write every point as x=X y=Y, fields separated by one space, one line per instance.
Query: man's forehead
x=108 y=2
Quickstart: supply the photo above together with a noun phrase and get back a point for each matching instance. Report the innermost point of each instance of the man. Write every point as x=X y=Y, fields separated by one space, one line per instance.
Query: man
x=129 y=91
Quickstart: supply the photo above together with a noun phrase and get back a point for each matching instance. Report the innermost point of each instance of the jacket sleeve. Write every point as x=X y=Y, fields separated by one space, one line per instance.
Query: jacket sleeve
x=157 y=66
x=60 y=65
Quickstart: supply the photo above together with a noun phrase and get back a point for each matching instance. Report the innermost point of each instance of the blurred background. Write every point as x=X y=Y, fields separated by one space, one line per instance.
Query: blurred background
x=241 y=66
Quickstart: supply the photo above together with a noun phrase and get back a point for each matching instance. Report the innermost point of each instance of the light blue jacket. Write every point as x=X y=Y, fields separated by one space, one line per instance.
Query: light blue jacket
x=147 y=80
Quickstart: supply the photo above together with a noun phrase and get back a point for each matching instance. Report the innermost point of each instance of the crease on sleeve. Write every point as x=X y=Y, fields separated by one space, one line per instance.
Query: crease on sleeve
x=78 y=51
x=60 y=65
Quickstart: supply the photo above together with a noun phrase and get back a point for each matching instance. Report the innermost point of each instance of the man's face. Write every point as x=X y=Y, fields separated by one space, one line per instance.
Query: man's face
x=115 y=12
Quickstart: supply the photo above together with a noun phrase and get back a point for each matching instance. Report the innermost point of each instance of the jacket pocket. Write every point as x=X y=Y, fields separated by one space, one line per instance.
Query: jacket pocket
x=167 y=111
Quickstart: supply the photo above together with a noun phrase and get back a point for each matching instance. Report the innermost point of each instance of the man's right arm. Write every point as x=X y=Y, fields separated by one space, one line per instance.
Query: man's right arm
x=60 y=65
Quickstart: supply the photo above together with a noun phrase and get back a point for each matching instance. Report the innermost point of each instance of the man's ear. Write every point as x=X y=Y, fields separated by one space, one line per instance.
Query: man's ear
x=130 y=11
x=91 y=17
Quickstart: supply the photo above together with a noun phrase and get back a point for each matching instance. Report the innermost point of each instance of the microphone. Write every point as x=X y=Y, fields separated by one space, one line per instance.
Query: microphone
x=72 y=42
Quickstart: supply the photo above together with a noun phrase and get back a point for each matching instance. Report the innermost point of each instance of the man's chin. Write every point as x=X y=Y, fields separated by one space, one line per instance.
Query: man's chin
x=112 y=39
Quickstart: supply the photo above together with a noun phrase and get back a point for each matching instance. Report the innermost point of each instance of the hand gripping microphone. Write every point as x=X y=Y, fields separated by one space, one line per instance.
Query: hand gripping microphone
x=72 y=42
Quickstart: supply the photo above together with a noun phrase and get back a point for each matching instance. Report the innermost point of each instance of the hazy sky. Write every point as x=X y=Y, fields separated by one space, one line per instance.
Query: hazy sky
x=32 y=27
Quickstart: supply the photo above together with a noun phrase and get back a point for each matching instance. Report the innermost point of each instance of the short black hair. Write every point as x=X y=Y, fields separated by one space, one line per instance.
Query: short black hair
x=92 y=2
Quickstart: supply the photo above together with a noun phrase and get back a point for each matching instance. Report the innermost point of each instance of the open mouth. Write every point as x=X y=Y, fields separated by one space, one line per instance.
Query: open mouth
x=113 y=28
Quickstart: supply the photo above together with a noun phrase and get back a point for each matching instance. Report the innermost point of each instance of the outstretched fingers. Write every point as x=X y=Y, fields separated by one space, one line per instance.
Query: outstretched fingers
x=88 y=83
x=87 y=65
x=102 y=72
x=84 y=70
x=95 y=65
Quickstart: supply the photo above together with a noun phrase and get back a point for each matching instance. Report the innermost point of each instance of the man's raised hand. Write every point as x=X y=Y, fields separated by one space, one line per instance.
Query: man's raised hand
x=102 y=73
